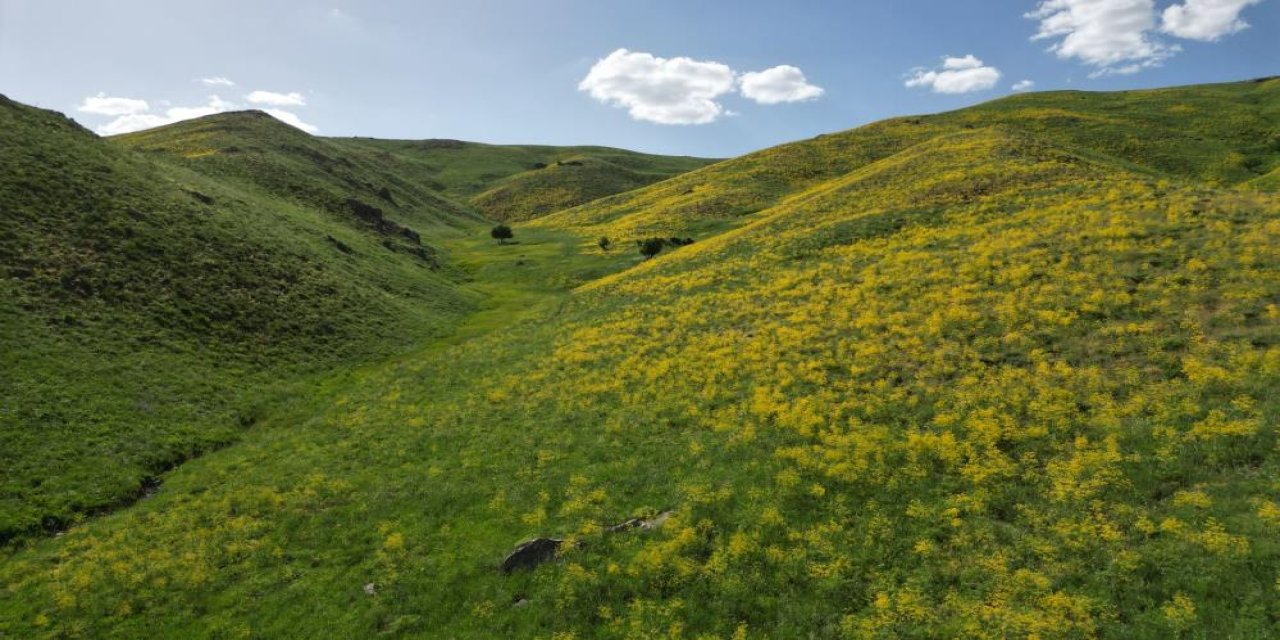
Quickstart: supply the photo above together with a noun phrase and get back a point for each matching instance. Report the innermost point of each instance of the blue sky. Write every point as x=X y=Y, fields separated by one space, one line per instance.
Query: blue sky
x=753 y=74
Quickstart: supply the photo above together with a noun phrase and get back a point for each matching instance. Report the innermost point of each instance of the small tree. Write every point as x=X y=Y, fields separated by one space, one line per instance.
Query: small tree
x=604 y=243
x=502 y=233
x=651 y=247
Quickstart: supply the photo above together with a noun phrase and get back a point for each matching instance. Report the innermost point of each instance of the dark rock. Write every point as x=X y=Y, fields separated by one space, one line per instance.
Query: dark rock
x=340 y=245
x=411 y=235
x=200 y=197
x=385 y=194
x=528 y=555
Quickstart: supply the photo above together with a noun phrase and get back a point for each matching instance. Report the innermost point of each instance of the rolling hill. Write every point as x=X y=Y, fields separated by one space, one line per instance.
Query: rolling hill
x=520 y=182
x=1001 y=372
x=146 y=306
x=1221 y=134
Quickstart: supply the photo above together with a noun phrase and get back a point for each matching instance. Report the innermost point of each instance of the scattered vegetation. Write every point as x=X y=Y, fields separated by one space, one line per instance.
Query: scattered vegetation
x=981 y=374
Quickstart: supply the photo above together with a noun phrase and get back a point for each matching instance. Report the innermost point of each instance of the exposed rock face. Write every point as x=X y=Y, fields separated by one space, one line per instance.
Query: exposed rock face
x=528 y=555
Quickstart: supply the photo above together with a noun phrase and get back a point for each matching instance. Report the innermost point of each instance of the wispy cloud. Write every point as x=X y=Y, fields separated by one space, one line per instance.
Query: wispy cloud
x=957 y=75
x=105 y=105
x=217 y=81
x=271 y=98
x=135 y=115
x=1024 y=85
x=139 y=120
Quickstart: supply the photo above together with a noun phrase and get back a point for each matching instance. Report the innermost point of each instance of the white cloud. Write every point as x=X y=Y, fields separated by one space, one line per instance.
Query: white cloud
x=957 y=75
x=274 y=99
x=218 y=81
x=661 y=90
x=1024 y=85
x=291 y=118
x=105 y=105
x=783 y=83
x=132 y=122
x=1115 y=36
x=1206 y=20
x=129 y=122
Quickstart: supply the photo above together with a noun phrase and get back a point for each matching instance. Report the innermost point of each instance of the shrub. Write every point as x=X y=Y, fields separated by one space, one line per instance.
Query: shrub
x=651 y=247
x=502 y=233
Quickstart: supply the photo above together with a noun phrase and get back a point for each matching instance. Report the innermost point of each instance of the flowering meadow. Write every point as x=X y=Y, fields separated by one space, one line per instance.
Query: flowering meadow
x=976 y=378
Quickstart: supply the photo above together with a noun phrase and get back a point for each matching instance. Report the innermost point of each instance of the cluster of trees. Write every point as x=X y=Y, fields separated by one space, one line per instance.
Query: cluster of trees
x=651 y=247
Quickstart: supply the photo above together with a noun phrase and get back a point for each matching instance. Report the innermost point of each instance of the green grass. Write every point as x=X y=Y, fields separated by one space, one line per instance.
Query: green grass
x=520 y=182
x=149 y=310
x=1221 y=134
x=981 y=374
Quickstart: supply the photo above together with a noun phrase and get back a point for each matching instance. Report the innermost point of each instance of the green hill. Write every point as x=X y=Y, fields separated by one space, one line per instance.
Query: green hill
x=996 y=373
x=1221 y=134
x=148 y=308
x=519 y=182
x=254 y=149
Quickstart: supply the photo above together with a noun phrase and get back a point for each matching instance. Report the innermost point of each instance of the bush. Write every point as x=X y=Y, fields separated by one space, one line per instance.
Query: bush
x=502 y=233
x=651 y=247
x=604 y=243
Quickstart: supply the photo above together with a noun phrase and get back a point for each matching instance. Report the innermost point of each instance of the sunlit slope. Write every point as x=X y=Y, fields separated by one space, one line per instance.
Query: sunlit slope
x=147 y=308
x=519 y=182
x=253 y=148
x=983 y=386
x=531 y=194
x=1225 y=133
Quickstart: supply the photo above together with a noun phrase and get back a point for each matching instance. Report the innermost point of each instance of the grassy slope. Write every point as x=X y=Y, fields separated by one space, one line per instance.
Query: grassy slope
x=1223 y=134
x=252 y=148
x=980 y=382
x=147 y=310
x=519 y=182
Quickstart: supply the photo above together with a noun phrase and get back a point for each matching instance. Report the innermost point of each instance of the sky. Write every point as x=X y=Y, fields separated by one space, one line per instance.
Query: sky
x=690 y=77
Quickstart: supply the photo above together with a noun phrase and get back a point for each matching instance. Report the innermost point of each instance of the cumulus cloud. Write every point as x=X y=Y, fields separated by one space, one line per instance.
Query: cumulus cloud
x=273 y=99
x=1112 y=35
x=783 y=83
x=957 y=75
x=1024 y=85
x=1121 y=36
x=105 y=105
x=1206 y=20
x=687 y=91
x=291 y=118
x=217 y=81
x=665 y=91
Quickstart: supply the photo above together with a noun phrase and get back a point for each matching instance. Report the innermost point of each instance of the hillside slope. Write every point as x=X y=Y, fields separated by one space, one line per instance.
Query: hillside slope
x=253 y=148
x=148 y=309
x=520 y=182
x=1225 y=134
x=945 y=381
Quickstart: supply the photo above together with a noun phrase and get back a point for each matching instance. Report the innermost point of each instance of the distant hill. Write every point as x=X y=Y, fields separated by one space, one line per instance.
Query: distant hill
x=521 y=182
